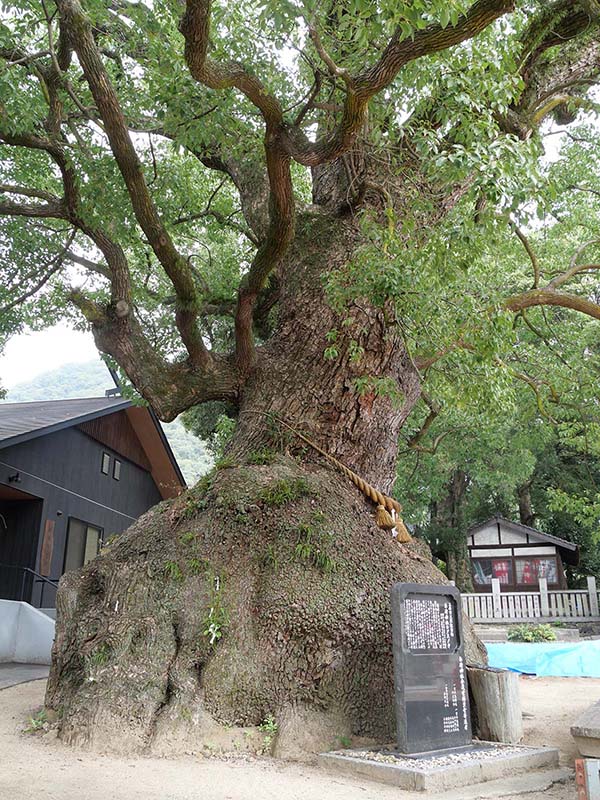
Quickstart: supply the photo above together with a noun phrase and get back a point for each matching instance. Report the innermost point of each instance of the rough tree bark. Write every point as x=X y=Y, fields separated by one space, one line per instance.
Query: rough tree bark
x=526 y=513
x=285 y=553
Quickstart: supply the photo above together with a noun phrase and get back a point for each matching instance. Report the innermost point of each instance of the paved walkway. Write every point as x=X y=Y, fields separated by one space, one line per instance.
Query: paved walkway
x=12 y=674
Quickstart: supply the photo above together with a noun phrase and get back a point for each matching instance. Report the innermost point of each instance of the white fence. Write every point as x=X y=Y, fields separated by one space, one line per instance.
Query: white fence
x=578 y=605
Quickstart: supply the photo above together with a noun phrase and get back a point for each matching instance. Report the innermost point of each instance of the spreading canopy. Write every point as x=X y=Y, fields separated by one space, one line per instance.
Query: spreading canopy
x=153 y=165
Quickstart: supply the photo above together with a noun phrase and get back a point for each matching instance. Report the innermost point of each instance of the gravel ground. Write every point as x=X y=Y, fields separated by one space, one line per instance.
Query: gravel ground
x=38 y=767
x=434 y=762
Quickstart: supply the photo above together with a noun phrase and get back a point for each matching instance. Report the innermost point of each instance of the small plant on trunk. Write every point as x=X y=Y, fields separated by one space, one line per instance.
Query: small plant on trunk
x=269 y=728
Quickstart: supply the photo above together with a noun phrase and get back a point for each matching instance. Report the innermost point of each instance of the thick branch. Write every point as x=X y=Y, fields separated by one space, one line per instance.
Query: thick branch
x=170 y=388
x=550 y=297
x=174 y=264
x=361 y=88
x=560 y=60
x=46 y=211
x=195 y=27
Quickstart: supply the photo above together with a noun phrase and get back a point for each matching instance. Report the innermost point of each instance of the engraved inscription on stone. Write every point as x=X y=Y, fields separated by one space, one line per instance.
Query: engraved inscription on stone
x=432 y=701
x=429 y=624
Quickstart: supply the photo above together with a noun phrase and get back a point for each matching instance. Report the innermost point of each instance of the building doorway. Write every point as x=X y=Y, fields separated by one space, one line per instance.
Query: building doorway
x=20 y=518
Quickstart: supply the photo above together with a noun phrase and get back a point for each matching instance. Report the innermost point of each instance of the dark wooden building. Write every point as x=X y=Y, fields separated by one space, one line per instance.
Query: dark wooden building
x=518 y=556
x=72 y=473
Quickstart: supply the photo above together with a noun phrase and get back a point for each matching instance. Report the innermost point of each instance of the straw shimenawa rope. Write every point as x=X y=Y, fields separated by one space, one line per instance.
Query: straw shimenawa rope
x=388 y=511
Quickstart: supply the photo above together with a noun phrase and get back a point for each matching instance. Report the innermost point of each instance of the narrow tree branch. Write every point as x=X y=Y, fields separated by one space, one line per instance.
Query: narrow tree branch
x=336 y=71
x=221 y=219
x=529 y=250
x=434 y=410
x=54 y=265
x=92 y=266
x=25 y=191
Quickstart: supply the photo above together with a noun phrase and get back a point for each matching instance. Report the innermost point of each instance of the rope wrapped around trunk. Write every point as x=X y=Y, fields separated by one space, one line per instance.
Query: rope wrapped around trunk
x=388 y=510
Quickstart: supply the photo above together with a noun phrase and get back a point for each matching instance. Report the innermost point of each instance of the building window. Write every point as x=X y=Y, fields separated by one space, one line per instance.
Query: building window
x=530 y=570
x=484 y=569
x=105 y=464
x=83 y=544
x=117 y=470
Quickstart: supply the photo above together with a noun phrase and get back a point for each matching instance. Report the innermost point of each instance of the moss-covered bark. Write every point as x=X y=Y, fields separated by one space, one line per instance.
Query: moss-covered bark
x=262 y=592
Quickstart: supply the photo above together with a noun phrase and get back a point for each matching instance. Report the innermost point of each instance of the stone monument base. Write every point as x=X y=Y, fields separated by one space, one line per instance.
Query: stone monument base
x=446 y=769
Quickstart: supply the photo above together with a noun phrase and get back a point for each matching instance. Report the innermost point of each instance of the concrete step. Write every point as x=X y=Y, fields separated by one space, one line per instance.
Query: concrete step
x=505 y=787
x=49 y=612
x=586 y=732
x=13 y=674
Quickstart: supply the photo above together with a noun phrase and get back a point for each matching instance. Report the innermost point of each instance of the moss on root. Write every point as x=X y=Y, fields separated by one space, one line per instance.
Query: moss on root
x=263 y=590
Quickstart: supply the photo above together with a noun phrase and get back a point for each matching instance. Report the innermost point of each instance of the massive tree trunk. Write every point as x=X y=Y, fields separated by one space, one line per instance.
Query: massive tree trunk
x=265 y=589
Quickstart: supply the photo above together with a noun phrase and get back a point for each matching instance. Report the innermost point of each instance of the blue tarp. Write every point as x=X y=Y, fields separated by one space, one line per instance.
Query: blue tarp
x=559 y=659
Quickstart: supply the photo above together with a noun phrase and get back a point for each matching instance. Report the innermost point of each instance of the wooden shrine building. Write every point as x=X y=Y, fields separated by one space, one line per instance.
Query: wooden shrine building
x=517 y=555
x=72 y=473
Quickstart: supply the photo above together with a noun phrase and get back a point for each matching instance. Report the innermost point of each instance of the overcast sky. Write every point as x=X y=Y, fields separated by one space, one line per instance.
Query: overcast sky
x=27 y=355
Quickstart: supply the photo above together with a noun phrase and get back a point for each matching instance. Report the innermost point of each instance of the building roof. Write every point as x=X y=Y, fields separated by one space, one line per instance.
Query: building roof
x=20 y=422
x=517 y=527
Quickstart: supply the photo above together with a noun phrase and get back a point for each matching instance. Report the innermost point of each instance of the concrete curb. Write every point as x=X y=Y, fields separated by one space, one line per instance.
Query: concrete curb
x=439 y=778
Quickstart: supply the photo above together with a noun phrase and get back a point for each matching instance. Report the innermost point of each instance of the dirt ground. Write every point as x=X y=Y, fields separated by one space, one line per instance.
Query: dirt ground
x=38 y=767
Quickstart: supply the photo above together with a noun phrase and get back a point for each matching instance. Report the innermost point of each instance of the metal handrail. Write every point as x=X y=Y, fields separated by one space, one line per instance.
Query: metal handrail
x=38 y=579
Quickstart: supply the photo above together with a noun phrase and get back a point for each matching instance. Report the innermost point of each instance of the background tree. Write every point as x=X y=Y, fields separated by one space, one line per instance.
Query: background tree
x=280 y=206
x=520 y=441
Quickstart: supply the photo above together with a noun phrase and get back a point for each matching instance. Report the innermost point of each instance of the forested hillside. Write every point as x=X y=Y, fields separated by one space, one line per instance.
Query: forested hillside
x=91 y=379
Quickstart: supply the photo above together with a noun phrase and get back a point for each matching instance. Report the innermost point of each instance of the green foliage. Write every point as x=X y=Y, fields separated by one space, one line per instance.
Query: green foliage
x=263 y=456
x=531 y=633
x=313 y=542
x=437 y=252
x=225 y=462
x=270 y=558
x=213 y=422
x=173 y=571
x=196 y=498
x=100 y=656
x=217 y=618
x=284 y=491
x=37 y=722
x=196 y=566
x=269 y=728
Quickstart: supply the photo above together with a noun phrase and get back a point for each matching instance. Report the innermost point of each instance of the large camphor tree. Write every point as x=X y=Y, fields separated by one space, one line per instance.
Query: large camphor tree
x=290 y=209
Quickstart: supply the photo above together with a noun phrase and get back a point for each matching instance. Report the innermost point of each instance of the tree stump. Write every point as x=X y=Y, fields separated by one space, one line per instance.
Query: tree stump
x=496 y=704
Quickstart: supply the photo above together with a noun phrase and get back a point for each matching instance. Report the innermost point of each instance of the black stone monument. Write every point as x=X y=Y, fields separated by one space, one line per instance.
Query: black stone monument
x=432 y=698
